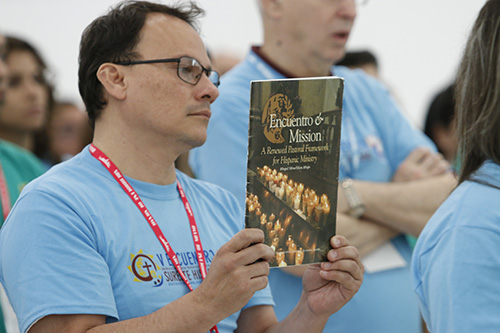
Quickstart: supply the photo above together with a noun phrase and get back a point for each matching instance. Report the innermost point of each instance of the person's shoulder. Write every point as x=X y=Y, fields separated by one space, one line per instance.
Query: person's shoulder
x=66 y=176
x=469 y=206
x=22 y=159
x=240 y=76
x=17 y=153
x=357 y=77
x=481 y=193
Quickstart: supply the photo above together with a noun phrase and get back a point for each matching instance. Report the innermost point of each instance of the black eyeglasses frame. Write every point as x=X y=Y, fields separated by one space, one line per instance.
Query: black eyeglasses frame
x=178 y=60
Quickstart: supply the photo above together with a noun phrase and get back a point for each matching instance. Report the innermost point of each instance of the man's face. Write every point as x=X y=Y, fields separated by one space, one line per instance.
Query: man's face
x=3 y=69
x=162 y=103
x=319 y=28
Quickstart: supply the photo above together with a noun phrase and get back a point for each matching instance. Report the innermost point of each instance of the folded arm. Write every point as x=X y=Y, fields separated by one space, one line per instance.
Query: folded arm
x=405 y=204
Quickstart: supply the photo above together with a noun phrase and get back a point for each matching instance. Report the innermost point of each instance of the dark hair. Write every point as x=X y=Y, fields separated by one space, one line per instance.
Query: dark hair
x=441 y=112
x=14 y=44
x=478 y=93
x=113 y=38
x=358 y=58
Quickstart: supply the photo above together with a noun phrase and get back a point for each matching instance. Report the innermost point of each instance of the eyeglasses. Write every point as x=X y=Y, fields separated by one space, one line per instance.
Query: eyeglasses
x=189 y=69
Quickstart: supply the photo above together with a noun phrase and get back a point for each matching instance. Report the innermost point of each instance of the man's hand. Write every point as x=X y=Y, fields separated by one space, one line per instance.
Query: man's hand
x=421 y=163
x=238 y=270
x=330 y=285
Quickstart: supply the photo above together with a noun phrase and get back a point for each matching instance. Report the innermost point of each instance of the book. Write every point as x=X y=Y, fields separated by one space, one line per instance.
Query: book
x=293 y=163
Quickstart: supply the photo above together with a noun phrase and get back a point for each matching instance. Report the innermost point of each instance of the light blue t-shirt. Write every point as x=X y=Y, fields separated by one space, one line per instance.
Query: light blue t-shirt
x=456 y=263
x=75 y=243
x=375 y=139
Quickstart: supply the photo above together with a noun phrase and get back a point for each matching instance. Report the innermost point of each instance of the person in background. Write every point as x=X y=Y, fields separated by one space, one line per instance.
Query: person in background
x=364 y=60
x=17 y=167
x=68 y=131
x=28 y=99
x=440 y=123
x=116 y=239
x=456 y=263
x=391 y=167
x=223 y=61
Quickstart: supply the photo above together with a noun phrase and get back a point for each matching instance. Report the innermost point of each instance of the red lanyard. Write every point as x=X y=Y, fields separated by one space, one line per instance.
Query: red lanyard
x=111 y=167
x=4 y=194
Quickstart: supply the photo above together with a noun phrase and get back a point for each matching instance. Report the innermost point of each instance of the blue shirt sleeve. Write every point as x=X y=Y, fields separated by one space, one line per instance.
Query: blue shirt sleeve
x=48 y=246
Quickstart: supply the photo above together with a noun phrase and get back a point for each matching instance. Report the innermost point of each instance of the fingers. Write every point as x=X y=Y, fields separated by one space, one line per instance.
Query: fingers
x=344 y=265
x=244 y=239
x=435 y=164
x=338 y=241
x=421 y=163
x=246 y=248
x=418 y=154
x=254 y=253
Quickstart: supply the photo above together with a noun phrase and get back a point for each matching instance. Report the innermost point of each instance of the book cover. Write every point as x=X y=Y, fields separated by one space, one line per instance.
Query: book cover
x=293 y=163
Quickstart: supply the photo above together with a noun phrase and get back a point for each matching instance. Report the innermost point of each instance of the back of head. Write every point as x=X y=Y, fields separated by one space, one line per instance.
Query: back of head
x=356 y=59
x=113 y=38
x=478 y=93
x=364 y=60
x=441 y=111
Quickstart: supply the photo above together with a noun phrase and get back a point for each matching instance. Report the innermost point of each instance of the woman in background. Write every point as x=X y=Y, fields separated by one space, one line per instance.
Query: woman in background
x=456 y=263
x=28 y=99
x=68 y=131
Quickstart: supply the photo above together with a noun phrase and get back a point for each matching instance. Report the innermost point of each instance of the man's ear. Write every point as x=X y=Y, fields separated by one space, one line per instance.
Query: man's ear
x=112 y=77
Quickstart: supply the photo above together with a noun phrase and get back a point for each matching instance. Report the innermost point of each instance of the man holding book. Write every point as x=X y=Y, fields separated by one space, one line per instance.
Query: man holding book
x=117 y=240
x=388 y=169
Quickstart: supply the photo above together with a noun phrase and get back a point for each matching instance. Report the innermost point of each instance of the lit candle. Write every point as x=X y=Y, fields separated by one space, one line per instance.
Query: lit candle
x=271 y=234
x=281 y=233
x=280 y=256
x=326 y=208
x=277 y=225
x=287 y=221
x=299 y=257
x=263 y=221
x=300 y=188
x=292 y=248
x=276 y=241
x=282 y=264
x=281 y=192
x=324 y=199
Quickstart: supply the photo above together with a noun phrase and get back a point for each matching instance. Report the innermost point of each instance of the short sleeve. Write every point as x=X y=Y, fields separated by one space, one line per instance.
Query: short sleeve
x=60 y=272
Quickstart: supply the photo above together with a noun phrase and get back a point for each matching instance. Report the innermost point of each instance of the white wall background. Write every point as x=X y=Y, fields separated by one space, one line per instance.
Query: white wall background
x=418 y=43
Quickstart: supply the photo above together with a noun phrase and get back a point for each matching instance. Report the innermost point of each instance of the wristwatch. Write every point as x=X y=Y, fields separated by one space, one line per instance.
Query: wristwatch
x=356 y=205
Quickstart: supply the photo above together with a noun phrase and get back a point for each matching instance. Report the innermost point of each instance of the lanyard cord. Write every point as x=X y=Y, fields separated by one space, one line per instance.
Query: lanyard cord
x=4 y=194
x=118 y=176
